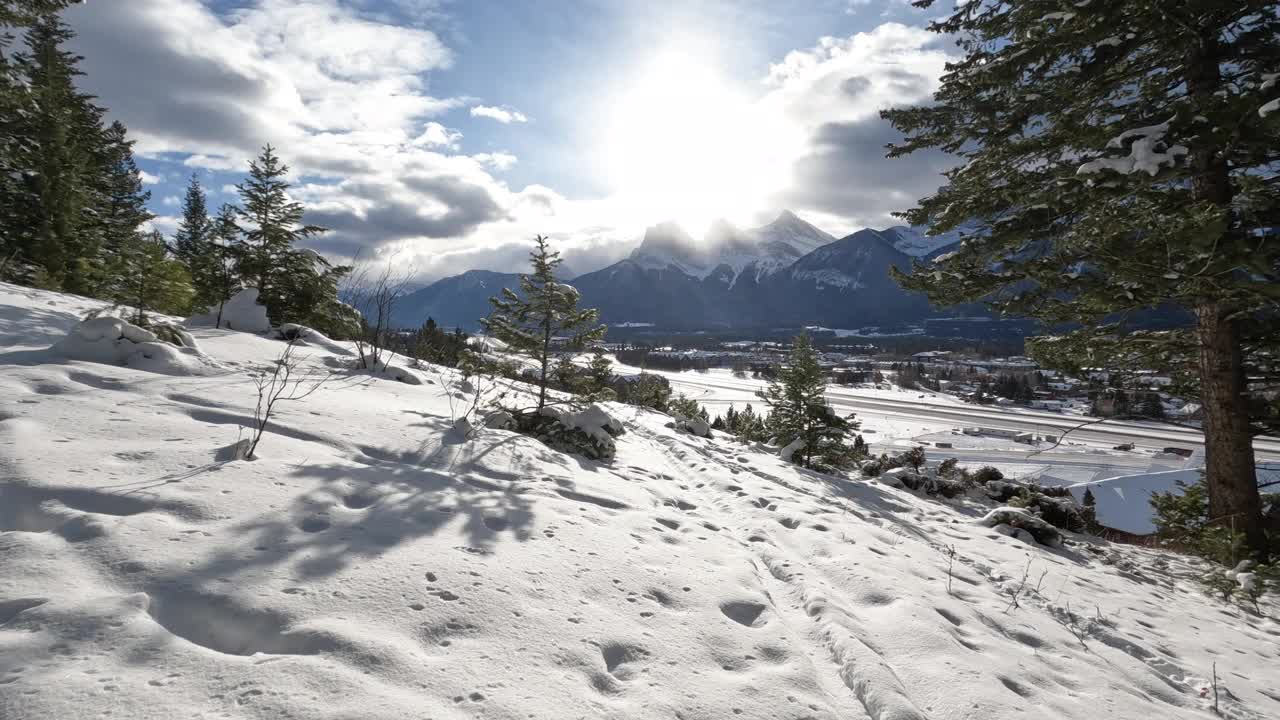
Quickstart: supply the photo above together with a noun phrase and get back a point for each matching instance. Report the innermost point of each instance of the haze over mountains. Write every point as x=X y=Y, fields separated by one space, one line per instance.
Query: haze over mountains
x=784 y=274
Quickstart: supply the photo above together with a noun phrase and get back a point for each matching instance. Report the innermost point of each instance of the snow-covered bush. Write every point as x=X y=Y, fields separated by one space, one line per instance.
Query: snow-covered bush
x=588 y=432
x=1020 y=519
x=1054 y=505
x=920 y=482
x=693 y=426
x=114 y=341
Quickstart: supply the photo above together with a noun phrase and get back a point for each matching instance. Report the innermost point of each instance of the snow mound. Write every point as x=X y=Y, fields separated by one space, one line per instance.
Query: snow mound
x=242 y=312
x=384 y=367
x=114 y=341
x=589 y=432
x=595 y=421
x=304 y=335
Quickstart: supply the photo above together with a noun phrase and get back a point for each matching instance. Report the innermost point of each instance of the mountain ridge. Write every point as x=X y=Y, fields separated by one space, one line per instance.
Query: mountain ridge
x=786 y=272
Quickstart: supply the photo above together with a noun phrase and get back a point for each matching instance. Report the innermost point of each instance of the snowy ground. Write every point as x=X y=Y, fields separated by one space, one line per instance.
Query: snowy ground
x=372 y=563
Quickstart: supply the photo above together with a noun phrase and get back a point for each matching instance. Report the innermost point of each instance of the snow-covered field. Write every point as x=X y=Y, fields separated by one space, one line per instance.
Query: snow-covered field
x=374 y=563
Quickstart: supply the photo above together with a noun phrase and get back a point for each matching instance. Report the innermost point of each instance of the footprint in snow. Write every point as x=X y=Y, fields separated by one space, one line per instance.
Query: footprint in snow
x=745 y=612
x=314 y=524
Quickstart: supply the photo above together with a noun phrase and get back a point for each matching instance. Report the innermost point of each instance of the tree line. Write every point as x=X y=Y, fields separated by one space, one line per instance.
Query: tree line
x=73 y=205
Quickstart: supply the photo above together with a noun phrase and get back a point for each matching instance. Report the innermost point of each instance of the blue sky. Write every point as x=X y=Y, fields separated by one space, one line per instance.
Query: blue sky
x=445 y=134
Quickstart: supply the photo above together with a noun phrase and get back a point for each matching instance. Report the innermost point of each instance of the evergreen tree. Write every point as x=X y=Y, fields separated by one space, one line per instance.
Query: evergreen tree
x=195 y=229
x=544 y=310
x=216 y=279
x=55 y=136
x=150 y=281
x=18 y=137
x=799 y=411
x=1119 y=157
x=117 y=207
x=600 y=375
x=296 y=285
x=860 y=446
x=272 y=226
x=1090 y=511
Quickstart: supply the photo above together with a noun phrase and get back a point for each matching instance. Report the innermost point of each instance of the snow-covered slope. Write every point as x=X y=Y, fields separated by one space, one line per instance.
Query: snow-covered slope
x=914 y=242
x=373 y=563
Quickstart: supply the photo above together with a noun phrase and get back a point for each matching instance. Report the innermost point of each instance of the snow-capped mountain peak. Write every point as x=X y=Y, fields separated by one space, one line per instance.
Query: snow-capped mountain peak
x=767 y=248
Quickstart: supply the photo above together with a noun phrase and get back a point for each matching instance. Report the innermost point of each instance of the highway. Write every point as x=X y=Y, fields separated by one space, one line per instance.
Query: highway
x=1108 y=433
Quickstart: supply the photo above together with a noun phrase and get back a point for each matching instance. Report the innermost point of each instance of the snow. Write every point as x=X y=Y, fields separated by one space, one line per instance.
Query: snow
x=375 y=563
x=594 y=420
x=242 y=312
x=1144 y=155
x=113 y=341
x=1269 y=108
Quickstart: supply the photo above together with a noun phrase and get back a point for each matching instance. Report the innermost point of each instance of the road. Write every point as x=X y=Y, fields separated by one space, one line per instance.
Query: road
x=1147 y=435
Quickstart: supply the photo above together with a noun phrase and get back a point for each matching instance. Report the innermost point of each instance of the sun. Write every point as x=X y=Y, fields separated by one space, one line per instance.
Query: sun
x=681 y=144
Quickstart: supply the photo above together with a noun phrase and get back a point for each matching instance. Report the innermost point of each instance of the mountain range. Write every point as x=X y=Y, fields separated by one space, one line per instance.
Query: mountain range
x=787 y=273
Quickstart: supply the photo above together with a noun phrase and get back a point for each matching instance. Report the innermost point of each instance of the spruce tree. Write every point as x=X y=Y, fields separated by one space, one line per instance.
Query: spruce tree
x=272 y=226
x=218 y=279
x=56 y=134
x=18 y=136
x=798 y=410
x=197 y=244
x=544 y=310
x=195 y=229
x=1116 y=157
x=150 y=281
x=296 y=285
x=599 y=379
x=117 y=206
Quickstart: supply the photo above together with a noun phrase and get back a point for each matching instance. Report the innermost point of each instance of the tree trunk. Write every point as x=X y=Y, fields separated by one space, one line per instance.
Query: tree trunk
x=1228 y=444
x=542 y=380
x=1229 y=465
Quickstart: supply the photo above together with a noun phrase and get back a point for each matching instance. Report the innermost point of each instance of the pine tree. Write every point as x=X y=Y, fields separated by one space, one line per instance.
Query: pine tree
x=18 y=137
x=545 y=309
x=1118 y=157
x=199 y=244
x=1090 y=511
x=296 y=285
x=55 y=137
x=117 y=207
x=195 y=229
x=272 y=221
x=799 y=410
x=150 y=281
x=217 y=278
x=600 y=375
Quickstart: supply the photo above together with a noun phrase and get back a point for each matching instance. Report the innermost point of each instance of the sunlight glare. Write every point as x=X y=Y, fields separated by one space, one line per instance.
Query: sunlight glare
x=681 y=144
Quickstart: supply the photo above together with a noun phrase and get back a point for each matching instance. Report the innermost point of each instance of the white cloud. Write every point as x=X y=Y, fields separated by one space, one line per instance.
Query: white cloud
x=149 y=179
x=171 y=200
x=346 y=100
x=164 y=223
x=503 y=115
x=496 y=160
x=343 y=98
x=436 y=135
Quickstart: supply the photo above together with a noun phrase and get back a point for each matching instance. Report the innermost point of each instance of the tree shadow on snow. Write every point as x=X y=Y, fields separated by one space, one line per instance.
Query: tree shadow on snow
x=362 y=512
